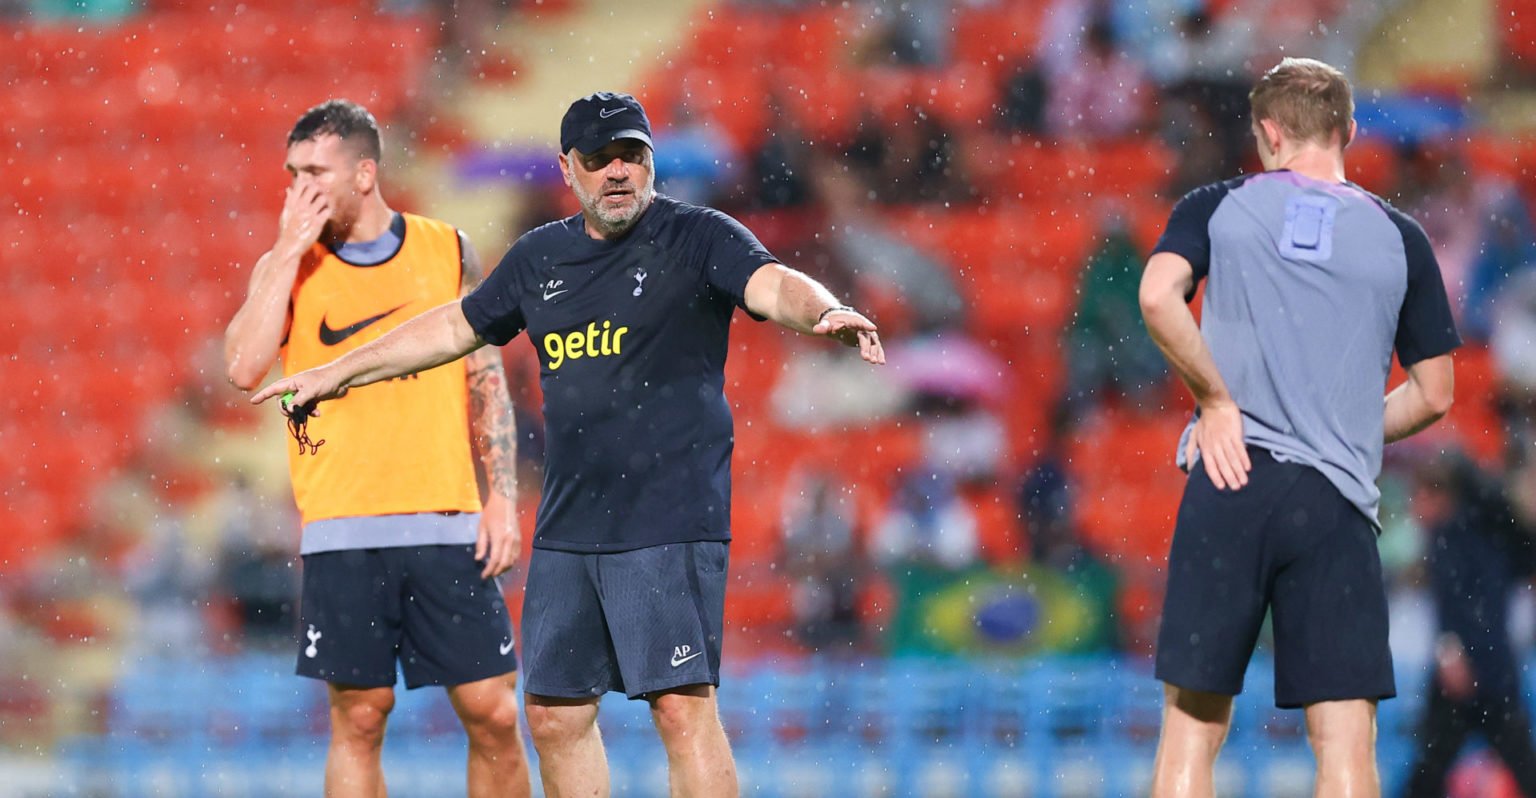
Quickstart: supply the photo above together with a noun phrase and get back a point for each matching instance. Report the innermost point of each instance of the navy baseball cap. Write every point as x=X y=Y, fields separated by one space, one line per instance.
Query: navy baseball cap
x=597 y=119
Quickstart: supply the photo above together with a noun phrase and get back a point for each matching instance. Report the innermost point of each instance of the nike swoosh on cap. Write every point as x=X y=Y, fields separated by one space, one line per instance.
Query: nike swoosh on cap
x=607 y=112
x=330 y=337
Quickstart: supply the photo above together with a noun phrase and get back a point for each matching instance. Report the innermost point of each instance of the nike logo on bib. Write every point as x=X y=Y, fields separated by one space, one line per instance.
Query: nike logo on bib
x=330 y=337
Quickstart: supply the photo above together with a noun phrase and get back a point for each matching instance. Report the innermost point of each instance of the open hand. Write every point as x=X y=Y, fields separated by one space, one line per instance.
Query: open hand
x=501 y=536
x=853 y=329
x=1218 y=439
x=305 y=212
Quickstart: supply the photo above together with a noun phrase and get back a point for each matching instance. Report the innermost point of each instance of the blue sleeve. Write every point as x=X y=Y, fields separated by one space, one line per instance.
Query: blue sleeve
x=1425 y=326
x=494 y=309
x=732 y=254
x=1188 y=233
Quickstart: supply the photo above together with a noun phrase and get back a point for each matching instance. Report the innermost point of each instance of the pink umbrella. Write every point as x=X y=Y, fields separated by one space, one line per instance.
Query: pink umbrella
x=947 y=365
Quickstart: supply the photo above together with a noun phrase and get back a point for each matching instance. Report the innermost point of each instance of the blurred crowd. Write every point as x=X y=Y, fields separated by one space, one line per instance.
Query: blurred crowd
x=192 y=548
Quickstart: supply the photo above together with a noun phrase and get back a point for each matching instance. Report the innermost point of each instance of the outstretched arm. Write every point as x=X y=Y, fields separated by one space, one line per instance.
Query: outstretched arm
x=1421 y=400
x=440 y=335
x=1218 y=434
x=491 y=418
x=798 y=302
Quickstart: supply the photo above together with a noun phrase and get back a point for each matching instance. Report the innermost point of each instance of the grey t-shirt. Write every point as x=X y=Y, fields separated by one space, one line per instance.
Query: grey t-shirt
x=1310 y=288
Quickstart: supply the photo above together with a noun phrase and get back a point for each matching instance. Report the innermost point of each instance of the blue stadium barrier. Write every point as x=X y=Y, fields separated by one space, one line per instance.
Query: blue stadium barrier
x=1078 y=727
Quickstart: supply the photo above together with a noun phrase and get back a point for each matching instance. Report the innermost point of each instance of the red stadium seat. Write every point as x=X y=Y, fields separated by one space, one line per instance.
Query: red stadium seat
x=1475 y=422
x=731 y=100
x=820 y=36
x=725 y=37
x=1372 y=163
x=158 y=140
x=825 y=106
x=1129 y=170
x=1492 y=155
x=963 y=96
x=1517 y=26
x=996 y=34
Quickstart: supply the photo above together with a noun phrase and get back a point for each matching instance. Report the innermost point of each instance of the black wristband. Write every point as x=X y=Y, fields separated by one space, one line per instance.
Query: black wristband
x=823 y=316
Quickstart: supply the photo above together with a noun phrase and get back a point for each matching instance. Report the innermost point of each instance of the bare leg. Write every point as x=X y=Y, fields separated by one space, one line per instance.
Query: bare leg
x=572 y=763
x=1194 y=728
x=353 y=765
x=498 y=765
x=699 y=762
x=1343 y=736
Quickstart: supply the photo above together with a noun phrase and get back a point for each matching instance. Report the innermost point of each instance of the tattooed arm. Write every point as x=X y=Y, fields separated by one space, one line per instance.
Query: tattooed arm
x=490 y=416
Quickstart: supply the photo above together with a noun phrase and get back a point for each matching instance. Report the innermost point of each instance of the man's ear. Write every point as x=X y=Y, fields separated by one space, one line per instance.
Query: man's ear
x=1352 y=130
x=367 y=178
x=565 y=168
x=1272 y=134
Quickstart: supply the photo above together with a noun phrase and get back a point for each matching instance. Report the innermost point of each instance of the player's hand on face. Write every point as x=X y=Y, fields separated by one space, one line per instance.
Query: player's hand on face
x=308 y=388
x=854 y=330
x=305 y=212
x=1218 y=437
x=501 y=538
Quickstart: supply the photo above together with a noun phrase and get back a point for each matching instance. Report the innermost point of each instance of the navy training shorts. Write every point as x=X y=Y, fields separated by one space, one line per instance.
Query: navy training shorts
x=1290 y=543
x=426 y=606
x=635 y=622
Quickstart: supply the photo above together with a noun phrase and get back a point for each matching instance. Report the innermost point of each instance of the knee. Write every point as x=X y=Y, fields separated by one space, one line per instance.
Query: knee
x=495 y=718
x=557 y=725
x=362 y=718
x=679 y=716
x=1342 y=731
x=1191 y=717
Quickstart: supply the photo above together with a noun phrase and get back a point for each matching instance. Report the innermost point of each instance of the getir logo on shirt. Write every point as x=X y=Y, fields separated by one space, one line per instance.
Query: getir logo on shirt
x=592 y=342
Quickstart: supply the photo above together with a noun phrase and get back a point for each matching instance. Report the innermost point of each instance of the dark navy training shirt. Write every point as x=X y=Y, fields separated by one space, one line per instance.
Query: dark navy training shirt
x=631 y=337
x=1310 y=287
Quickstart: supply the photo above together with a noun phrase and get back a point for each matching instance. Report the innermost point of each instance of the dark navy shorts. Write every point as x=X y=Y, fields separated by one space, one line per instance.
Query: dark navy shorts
x=634 y=622
x=1289 y=543
x=425 y=606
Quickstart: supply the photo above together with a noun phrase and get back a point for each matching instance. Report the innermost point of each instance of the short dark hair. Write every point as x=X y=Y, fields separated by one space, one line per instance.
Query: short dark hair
x=1308 y=99
x=344 y=119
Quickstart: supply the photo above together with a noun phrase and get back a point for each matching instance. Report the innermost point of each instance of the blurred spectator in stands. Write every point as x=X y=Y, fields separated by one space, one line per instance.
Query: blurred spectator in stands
x=903 y=32
x=1480 y=225
x=1046 y=505
x=925 y=543
x=1507 y=249
x=928 y=525
x=952 y=380
x=1480 y=549
x=1108 y=348
x=696 y=161
x=962 y=439
x=170 y=578
x=1435 y=187
x=1514 y=351
x=869 y=249
x=909 y=160
x=1205 y=78
x=782 y=165
x=821 y=555
x=1021 y=108
x=468 y=46
x=257 y=569
x=1099 y=92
